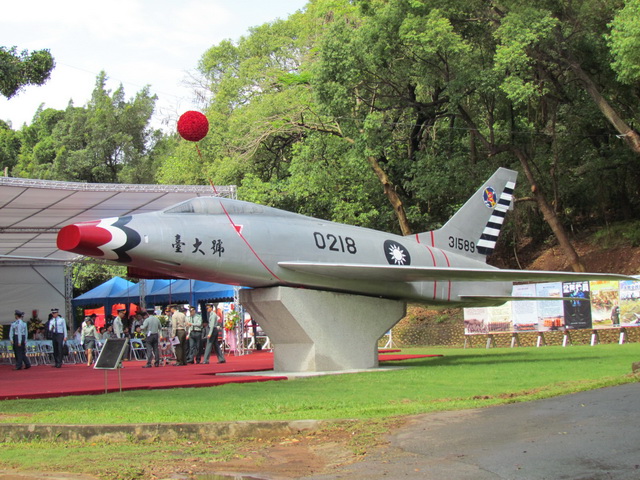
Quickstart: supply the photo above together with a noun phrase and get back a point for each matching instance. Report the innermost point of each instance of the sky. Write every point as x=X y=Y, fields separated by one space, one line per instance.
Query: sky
x=136 y=42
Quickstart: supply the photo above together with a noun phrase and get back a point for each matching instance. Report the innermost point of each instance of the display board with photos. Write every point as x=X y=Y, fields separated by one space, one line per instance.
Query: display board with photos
x=611 y=304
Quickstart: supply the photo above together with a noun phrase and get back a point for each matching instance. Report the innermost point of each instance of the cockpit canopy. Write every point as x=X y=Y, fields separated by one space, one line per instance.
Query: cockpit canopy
x=223 y=206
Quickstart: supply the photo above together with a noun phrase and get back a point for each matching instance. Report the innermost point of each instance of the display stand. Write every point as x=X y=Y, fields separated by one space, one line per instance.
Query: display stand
x=315 y=331
x=515 y=340
x=491 y=341
x=623 y=336
x=541 y=340
x=110 y=358
x=389 y=343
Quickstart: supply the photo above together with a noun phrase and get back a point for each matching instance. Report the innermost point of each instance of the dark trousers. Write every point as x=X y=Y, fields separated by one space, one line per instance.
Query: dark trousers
x=212 y=342
x=151 y=343
x=195 y=338
x=181 y=348
x=58 y=340
x=20 y=351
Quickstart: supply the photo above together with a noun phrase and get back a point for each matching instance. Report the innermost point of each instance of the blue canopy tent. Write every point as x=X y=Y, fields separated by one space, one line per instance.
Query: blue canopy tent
x=151 y=287
x=215 y=292
x=108 y=294
x=191 y=292
x=158 y=292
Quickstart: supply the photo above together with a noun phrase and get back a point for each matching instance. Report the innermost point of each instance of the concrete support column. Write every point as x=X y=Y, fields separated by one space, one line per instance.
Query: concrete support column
x=316 y=331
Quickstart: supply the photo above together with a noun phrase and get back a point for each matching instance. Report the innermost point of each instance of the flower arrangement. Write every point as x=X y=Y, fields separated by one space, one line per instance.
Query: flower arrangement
x=34 y=322
x=231 y=319
x=193 y=126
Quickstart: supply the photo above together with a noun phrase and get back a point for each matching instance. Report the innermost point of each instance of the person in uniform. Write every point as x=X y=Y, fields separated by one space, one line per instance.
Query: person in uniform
x=195 y=335
x=58 y=329
x=179 y=329
x=18 y=335
x=212 y=336
x=118 y=326
x=151 y=327
x=88 y=338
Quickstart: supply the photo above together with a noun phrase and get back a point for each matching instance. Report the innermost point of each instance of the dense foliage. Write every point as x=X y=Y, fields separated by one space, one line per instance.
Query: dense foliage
x=19 y=69
x=388 y=114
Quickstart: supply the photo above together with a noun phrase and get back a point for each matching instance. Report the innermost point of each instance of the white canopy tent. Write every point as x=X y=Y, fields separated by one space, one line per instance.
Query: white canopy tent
x=32 y=269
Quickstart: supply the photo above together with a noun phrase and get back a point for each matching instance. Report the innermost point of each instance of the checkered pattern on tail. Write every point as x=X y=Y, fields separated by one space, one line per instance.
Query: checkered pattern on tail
x=489 y=236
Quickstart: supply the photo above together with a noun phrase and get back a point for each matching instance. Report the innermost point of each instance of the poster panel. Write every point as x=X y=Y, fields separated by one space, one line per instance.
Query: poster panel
x=550 y=312
x=629 y=303
x=524 y=312
x=605 y=303
x=476 y=321
x=577 y=314
x=500 y=319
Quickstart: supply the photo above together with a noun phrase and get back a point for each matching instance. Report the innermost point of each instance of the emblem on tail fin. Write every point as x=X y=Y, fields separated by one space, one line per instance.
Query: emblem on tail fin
x=489 y=197
x=491 y=231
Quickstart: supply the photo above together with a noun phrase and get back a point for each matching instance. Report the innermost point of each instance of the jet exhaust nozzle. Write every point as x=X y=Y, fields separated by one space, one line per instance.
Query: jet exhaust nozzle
x=84 y=238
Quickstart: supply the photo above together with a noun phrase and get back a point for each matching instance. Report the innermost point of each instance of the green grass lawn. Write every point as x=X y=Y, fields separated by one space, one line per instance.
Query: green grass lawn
x=462 y=378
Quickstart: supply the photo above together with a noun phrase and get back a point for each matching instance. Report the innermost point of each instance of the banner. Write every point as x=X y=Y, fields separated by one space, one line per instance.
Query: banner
x=605 y=304
x=551 y=312
x=629 y=304
x=597 y=304
x=525 y=313
x=476 y=321
x=577 y=313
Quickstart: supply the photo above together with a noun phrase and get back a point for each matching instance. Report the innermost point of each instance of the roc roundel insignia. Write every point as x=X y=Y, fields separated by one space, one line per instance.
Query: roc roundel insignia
x=489 y=197
x=396 y=254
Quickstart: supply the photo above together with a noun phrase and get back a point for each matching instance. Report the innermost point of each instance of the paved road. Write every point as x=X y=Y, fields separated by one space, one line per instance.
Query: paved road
x=589 y=436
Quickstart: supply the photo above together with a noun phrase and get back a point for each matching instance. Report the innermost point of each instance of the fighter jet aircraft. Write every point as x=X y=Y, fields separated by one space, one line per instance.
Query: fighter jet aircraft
x=240 y=243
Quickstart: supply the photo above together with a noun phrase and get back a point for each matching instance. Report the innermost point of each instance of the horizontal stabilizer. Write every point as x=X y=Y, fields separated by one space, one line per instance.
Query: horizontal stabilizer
x=498 y=298
x=399 y=273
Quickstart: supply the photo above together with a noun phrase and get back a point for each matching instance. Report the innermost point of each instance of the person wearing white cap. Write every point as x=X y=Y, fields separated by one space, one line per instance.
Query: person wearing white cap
x=18 y=335
x=117 y=323
x=58 y=329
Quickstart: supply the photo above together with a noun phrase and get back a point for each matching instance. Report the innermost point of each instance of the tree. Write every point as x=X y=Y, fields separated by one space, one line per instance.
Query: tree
x=109 y=140
x=424 y=97
x=87 y=276
x=9 y=147
x=624 y=42
x=18 y=70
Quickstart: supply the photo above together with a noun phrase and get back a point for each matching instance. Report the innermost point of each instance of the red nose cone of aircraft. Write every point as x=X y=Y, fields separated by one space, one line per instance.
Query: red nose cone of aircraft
x=83 y=238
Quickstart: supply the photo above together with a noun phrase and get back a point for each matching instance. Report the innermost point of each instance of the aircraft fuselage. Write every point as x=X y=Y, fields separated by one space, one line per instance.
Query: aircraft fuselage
x=240 y=243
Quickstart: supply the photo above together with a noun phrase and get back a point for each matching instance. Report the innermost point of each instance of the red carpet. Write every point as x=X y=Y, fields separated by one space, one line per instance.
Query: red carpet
x=44 y=381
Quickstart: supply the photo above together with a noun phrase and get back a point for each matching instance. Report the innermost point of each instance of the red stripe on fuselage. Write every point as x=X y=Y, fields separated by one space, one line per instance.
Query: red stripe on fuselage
x=238 y=229
x=433 y=258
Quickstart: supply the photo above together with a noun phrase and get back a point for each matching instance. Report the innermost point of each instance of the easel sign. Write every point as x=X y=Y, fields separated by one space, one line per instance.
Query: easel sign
x=110 y=358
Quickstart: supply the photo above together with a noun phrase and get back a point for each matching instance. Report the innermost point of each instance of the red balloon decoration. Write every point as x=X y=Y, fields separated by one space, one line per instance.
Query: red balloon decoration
x=193 y=126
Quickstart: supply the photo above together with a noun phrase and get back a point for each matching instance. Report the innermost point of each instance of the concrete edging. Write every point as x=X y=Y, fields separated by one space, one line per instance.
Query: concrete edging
x=156 y=431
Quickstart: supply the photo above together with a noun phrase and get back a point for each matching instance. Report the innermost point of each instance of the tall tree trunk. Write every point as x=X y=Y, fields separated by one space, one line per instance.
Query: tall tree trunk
x=626 y=132
x=392 y=195
x=550 y=215
x=387 y=185
x=547 y=212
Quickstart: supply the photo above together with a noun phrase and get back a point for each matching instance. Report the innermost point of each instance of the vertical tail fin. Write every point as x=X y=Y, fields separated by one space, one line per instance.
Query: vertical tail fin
x=474 y=229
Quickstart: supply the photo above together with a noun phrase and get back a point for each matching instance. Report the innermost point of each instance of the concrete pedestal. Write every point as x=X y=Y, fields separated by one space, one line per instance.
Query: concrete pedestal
x=317 y=331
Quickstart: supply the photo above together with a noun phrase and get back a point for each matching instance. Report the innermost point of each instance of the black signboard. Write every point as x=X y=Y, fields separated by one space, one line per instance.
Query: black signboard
x=577 y=311
x=111 y=354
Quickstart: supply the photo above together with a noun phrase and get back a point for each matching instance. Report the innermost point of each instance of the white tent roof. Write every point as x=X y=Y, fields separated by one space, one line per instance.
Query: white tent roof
x=32 y=211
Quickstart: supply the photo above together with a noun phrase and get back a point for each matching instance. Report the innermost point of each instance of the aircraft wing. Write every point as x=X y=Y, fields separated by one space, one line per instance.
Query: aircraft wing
x=393 y=273
x=44 y=259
